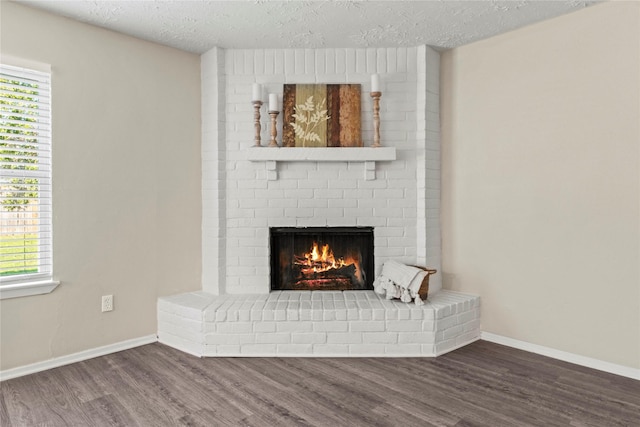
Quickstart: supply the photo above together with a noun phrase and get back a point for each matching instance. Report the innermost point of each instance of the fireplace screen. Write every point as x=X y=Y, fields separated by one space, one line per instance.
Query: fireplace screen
x=323 y=258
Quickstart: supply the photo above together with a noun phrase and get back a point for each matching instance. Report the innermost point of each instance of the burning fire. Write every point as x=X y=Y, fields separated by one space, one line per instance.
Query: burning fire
x=321 y=269
x=319 y=260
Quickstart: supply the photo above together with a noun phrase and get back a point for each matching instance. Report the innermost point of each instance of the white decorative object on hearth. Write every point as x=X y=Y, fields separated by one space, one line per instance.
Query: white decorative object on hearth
x=400 y=281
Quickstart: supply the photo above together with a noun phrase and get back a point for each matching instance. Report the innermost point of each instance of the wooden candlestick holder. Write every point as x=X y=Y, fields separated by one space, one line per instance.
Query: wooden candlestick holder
x=376 y=118
x=274 y=130
x=256 y=121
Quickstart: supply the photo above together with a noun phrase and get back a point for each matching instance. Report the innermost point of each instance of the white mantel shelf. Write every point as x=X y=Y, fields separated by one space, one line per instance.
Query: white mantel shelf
x=320 y=154
x=367 y=155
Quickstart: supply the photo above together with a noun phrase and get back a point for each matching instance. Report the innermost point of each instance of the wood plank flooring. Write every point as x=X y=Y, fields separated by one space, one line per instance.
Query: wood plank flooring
x=482 y=384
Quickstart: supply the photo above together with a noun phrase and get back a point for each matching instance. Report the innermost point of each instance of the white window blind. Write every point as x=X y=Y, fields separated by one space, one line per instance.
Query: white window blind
x=25 y=175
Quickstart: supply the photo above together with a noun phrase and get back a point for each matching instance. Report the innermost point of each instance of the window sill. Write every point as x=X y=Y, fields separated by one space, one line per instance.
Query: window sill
x=26 y=289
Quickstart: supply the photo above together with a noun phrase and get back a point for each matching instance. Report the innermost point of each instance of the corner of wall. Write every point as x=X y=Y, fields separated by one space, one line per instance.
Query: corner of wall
x=212 y=65
x=428 y=153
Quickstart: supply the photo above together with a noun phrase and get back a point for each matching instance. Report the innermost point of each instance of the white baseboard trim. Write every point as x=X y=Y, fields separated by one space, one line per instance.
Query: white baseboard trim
x=75 y=357
x=588 y=362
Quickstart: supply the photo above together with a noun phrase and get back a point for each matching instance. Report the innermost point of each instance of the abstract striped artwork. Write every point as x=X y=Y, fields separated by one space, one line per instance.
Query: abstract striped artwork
x=321 y=115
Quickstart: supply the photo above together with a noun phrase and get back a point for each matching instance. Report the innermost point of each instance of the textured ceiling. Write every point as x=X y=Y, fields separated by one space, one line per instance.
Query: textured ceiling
x=197 y=26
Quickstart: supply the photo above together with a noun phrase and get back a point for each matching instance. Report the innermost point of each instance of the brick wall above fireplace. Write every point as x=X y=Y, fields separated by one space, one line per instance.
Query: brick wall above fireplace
x=240 y=203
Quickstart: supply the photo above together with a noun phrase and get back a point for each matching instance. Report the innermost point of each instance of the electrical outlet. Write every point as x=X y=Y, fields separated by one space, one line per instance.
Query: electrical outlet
x=107 y=303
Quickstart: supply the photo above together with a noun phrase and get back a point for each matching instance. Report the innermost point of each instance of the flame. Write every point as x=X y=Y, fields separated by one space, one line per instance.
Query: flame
x=320 y=259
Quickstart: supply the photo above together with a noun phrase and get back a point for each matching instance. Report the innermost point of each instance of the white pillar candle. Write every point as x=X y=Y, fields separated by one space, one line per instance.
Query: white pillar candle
x=273 y=102
x=375 y=83
x=257 y=92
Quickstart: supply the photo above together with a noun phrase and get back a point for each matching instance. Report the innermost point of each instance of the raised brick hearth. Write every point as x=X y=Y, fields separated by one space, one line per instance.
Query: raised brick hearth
x=317 y=323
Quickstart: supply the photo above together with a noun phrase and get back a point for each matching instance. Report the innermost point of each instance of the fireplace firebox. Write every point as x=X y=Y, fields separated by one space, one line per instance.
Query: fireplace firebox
x=322 y=258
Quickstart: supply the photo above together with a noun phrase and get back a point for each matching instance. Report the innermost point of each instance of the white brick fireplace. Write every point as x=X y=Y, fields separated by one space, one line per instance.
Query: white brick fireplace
x=242 y=198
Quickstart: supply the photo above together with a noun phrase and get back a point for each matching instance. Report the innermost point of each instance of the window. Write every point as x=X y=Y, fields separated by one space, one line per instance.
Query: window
x=25 y=182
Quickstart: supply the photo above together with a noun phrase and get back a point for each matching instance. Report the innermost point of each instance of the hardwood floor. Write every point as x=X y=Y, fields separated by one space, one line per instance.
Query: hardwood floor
x=483 y=384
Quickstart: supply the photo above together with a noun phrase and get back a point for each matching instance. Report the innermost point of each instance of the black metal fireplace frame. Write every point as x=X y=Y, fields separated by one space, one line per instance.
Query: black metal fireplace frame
x=321 y=234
